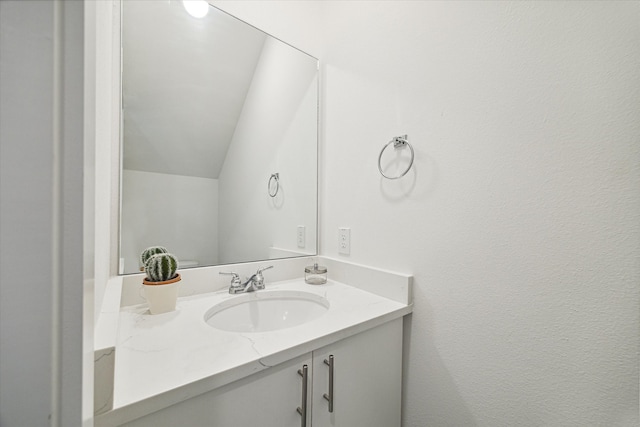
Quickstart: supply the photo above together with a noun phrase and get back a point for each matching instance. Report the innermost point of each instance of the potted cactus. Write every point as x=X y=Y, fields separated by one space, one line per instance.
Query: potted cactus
x=147 y=253
x=161 y=283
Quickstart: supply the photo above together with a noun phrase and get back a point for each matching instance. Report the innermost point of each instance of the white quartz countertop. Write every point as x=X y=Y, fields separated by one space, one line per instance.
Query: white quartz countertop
x=166 y=358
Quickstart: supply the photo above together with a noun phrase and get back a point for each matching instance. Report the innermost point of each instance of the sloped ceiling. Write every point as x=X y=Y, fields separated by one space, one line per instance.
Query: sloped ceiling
x=184 y=84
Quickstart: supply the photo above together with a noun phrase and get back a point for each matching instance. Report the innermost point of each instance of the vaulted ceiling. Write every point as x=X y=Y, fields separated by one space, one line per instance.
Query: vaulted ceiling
x=184 y=84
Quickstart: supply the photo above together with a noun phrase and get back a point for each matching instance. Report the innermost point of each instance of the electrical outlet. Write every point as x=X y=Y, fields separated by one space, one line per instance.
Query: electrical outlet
x=301 y=236
x=344 y=241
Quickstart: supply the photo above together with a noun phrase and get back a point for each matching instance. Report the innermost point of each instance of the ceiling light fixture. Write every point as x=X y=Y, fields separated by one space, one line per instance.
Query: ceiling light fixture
x=196 y=8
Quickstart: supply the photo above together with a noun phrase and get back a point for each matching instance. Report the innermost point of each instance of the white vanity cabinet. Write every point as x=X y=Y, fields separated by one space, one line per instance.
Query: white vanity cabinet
x=367 y=379
x=267 y=399
x=367 y=375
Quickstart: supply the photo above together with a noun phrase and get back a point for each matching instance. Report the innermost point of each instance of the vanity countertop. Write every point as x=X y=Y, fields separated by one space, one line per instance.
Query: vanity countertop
x=166 y=358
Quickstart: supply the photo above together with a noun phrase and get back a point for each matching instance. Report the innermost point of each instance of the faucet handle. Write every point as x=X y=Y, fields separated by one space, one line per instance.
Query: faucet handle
x=260 y=270
x=235 y=280
x=259 y=278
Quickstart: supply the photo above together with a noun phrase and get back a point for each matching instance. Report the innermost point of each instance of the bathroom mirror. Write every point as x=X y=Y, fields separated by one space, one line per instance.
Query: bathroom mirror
x=218 y=138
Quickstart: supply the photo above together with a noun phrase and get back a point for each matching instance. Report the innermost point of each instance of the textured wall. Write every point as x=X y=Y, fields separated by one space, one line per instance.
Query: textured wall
x=276 y=132
x=25 y=216
x=188 y=233
x=46 y=295
x=520 y=218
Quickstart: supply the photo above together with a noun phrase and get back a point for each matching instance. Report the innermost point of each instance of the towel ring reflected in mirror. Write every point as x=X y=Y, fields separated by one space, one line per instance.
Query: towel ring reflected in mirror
x=274 y=177
x=398 y=142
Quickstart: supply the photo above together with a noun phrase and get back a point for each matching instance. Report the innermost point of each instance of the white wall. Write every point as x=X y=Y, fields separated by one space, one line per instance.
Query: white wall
x=182 y=220
x=46 y=299
x=271 y=140
x=520 y=218
x=103 y=51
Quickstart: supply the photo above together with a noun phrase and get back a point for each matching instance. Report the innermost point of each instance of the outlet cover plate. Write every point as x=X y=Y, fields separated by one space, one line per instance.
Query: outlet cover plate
x=301 y=236
x=344 y=241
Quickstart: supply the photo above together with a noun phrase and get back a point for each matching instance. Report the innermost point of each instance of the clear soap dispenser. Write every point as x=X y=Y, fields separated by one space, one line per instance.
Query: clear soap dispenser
x=315 y=274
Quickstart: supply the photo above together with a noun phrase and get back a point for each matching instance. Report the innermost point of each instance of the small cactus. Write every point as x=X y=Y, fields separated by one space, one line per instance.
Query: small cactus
x=150 y=251
x=161 y=267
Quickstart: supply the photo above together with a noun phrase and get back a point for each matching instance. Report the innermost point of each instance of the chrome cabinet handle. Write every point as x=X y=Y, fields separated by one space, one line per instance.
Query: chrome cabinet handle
x=329 y=397
x=304 y=373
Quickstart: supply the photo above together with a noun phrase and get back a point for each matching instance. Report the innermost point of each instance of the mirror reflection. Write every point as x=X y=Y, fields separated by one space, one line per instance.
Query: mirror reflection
x=219 y=138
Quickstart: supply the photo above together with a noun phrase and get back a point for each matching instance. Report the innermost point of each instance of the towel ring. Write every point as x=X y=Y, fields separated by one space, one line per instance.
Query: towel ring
x=398 y=142
x=275 y=176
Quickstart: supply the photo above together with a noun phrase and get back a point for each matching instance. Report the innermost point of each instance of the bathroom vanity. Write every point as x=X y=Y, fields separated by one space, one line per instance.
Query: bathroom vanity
x=210 y=362
x=341 y=368
x=366 y=389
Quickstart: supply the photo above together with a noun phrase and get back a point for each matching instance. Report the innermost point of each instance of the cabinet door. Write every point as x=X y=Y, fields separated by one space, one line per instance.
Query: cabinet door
x=267 y=399
x=367 y=379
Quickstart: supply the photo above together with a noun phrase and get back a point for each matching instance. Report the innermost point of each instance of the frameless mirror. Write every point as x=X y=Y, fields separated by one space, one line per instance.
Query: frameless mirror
x=219 y=138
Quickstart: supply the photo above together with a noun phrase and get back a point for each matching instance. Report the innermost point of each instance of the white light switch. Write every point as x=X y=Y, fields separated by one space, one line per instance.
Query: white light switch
x=301 y=236
x=344 y=241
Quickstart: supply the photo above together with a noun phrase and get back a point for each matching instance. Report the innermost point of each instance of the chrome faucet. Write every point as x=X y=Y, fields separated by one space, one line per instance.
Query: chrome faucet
x=253 y=283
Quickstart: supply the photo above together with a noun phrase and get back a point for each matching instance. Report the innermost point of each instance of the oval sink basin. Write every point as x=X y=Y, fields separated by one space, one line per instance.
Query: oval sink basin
x=264 y=311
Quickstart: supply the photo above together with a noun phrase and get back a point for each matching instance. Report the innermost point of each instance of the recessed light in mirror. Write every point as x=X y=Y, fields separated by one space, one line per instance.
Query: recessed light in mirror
x=196 y=8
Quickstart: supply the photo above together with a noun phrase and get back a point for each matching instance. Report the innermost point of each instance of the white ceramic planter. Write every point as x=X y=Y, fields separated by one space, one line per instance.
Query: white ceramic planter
x=162 y=296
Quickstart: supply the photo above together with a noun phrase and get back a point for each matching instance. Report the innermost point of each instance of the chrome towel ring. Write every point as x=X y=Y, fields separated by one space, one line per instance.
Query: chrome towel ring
x=276 y=177
x=398 y=143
